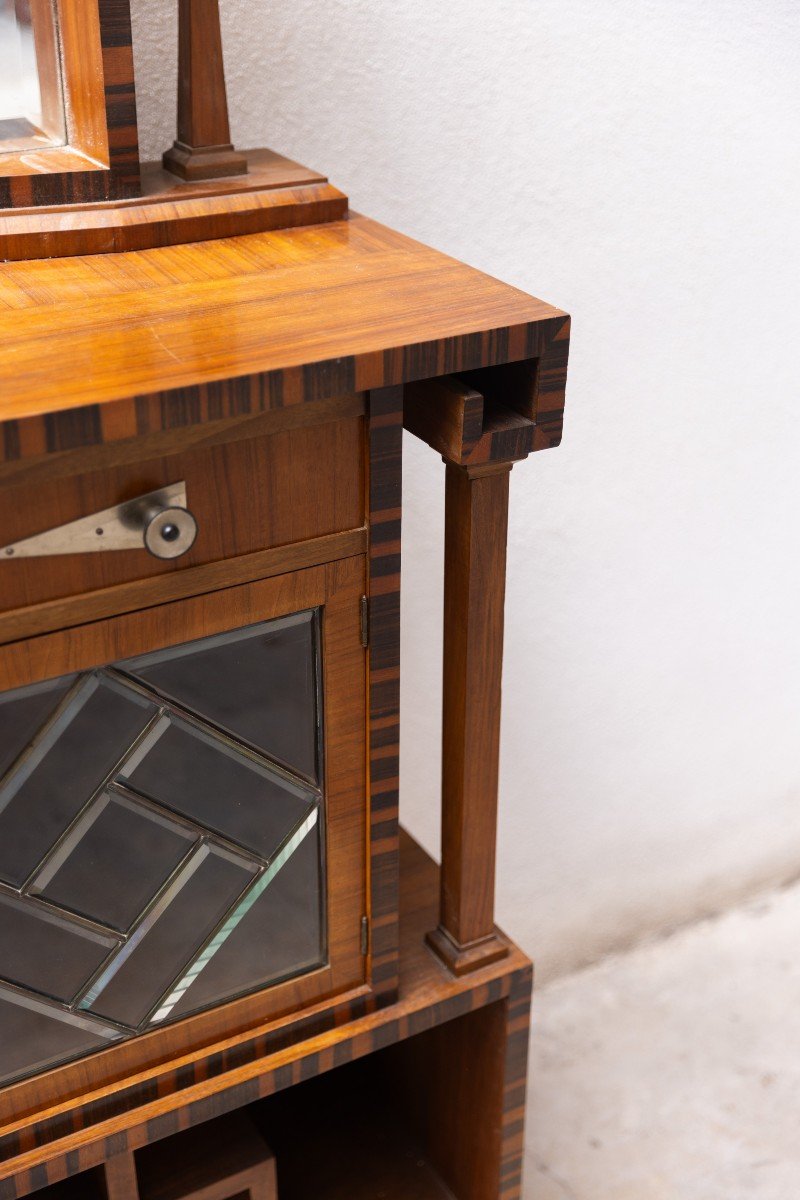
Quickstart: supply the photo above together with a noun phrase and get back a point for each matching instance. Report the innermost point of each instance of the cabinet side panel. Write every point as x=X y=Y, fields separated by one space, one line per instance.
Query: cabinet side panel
x=462 y=1088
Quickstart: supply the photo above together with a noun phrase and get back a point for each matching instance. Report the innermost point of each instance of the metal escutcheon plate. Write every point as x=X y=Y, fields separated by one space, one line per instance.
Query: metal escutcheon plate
x=158 y=522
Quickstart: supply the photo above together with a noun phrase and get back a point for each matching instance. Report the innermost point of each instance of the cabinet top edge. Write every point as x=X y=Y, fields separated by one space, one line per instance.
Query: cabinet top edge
x=253 y=323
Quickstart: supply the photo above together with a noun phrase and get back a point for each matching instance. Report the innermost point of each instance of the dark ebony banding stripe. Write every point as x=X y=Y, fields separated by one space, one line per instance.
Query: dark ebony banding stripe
x=386 y=486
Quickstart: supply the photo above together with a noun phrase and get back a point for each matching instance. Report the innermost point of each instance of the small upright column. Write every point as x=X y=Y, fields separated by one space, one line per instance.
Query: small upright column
x=203 y=149
x=482 y=423
x=476 y=529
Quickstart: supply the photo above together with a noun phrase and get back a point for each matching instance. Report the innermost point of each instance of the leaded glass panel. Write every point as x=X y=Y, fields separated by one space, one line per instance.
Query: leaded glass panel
x=37 y=1035
x=259 y=685
x=161 y=839
x=115 y=860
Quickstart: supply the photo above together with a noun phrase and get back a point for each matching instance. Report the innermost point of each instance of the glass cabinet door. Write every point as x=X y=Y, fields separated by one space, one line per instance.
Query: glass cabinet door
x=162 y=836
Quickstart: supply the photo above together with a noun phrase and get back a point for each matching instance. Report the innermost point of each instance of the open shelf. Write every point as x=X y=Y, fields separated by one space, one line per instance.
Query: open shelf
x=339 y=1137
x=89 y=1186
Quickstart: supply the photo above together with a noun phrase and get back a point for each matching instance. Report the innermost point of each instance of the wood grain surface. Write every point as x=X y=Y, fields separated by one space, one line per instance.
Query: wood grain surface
x=429 y=997
x=476 y=532
x=436 y=1116
x=276 y=194
x=108 y=348
x=107 y=354
x=195 y=581
x=247 y=495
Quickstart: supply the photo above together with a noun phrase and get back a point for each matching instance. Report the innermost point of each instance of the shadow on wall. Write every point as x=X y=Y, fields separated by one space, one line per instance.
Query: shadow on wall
x=305 y=79
x=155 y=44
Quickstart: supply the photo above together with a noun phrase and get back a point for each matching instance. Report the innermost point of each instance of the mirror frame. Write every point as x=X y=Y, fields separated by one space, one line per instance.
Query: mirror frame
x=100 y=159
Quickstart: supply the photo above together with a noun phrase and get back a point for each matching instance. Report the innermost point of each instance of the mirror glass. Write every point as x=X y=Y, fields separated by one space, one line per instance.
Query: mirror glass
x=31 y=102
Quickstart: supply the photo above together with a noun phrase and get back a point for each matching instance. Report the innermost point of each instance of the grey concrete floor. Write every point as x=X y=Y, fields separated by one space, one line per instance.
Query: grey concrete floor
x=673 y=1072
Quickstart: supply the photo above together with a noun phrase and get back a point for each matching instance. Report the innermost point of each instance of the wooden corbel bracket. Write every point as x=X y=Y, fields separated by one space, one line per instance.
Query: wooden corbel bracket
x=497 y=414
x=481 y=423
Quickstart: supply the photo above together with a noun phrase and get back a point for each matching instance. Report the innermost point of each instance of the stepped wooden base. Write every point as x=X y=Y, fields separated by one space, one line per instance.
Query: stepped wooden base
x=210 y=163
x=275 y=194
x=463 y=959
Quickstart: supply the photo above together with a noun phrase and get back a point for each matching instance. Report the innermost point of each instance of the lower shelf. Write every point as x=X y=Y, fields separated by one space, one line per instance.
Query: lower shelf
x=335 y=1139
x=90 y=1186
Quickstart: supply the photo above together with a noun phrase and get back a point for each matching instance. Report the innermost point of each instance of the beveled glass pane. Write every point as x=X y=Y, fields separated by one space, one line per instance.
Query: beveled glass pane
x=35 y=1035
x=48 y=788
x=174 y=932
x=162 y=822
x=47 y=953
x=31 y=101
x=22 y=715
x=115 y=861
x=208 y=780
x=258 y=684
x=281 y=934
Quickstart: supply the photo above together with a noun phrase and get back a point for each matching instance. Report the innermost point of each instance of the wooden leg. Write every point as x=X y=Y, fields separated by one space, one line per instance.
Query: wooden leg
x=476 y=526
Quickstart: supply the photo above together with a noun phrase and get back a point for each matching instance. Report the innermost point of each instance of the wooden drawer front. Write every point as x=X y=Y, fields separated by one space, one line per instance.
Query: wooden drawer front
x=246 y=495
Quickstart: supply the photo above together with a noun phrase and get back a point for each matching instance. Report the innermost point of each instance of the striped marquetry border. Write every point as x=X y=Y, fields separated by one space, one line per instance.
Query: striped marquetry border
x=385 y=499
x=78 y=1154
x=122 y=179
x=533 y=392
x=515 y=1086
x=551 y=390
x=159 y=1084
x=178 y=408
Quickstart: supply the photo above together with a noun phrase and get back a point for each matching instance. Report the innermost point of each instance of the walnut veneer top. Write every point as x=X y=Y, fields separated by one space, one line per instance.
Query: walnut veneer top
x=79 y=332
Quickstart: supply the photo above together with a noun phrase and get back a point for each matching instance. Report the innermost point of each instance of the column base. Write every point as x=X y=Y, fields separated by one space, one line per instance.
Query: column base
x=207 y=162
x=461 y=959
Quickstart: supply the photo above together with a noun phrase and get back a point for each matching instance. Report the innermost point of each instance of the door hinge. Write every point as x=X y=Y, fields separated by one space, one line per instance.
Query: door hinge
x=365 y=621
x=365 y=936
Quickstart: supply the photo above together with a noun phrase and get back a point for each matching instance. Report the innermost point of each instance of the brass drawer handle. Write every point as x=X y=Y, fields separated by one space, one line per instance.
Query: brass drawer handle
x=159 y=522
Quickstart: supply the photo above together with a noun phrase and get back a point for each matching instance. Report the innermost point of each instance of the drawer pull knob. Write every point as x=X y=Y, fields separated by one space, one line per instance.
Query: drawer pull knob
x=159 y=522
x=169 y=532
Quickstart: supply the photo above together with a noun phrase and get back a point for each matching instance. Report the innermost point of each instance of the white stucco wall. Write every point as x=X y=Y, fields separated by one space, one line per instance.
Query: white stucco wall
x=637 y=164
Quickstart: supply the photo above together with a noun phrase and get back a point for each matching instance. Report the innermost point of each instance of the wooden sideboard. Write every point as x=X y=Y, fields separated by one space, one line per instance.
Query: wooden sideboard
x=272 y=374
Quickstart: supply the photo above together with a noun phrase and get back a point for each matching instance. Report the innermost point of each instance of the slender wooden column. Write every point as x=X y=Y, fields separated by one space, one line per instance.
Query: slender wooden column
x=203 y=149
x=482 y=422
x=476 y=526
